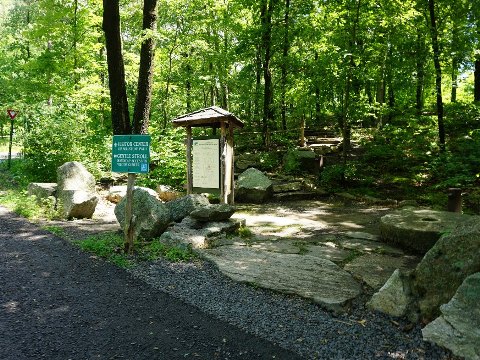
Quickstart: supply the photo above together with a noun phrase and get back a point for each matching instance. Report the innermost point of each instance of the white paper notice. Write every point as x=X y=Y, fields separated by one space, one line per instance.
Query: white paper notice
x=206 y=163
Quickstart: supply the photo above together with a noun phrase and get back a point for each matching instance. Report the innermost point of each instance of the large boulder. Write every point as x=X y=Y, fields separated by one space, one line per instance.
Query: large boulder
x=214 y=212
x=42 y=190
x=247 y=160
x=394 y=297
x=418 y=229
x=458 y=328
x=151 y=216
x=301 y=160
x=181 y=208
x=76 y=190
x=78 y=204
x=443 y=269
x=74 y=176
x=253 y=186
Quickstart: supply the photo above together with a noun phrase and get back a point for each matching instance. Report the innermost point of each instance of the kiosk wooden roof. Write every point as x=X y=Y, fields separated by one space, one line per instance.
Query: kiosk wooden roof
x=209 y=117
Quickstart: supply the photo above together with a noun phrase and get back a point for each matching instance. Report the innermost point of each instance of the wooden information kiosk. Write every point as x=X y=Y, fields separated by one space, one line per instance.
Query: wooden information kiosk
x=210 y=160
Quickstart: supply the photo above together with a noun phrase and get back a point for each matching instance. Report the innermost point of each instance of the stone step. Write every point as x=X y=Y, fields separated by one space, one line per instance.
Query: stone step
x=299 y=195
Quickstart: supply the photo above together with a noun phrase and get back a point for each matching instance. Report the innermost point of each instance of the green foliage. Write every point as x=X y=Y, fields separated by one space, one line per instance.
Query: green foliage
x=244 y=232
x=168 y=160
x=57 y=134
x=110 y=247
x=20 y=202
x=57 y=230
x=155 y=249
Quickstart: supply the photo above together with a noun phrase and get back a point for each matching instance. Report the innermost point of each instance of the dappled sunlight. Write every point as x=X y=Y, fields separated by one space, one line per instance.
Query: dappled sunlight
x=351 y=225
x=305 y=219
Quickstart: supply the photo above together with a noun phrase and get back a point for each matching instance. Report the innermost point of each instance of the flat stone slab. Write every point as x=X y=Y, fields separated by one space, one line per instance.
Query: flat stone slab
x=418 y=229
x=308 y=276
x=331 y=253
x=280 y=246
x=361 y=235
x=376 y=269
x=369 y=246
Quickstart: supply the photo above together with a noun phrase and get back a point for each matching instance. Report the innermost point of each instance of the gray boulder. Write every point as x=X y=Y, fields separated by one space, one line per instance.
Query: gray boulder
x=394 y=297
x=443 y=269
x=300 y=160
x=181 y=208
x=458 y=328
x=246 y=160
x=74 y=176
x=42 y=190
x=253 y=186
x=215 y=212
x=151 y=216
x=418 y=229
x=78 y=204
x=76 y=190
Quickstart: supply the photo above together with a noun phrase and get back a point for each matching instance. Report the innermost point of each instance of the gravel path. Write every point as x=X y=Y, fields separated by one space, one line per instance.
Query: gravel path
x=100 y=311
x=58 y=303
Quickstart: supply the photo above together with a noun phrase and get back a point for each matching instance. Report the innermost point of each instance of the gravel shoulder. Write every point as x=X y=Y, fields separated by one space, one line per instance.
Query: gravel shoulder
x=59 y=303
x=296 y=325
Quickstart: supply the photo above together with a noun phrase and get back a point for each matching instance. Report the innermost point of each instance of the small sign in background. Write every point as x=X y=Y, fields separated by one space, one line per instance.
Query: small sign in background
x=131 y=153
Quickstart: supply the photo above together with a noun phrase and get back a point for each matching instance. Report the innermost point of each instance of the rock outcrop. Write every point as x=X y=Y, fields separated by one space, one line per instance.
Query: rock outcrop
x=182 y=207
x=394 y=297
x=42 y=190
x=443 y=269
x=253 y=186
x=310 y=277
x=458 y=327
x=214 y=212
x=76 y=190
x=150 y=216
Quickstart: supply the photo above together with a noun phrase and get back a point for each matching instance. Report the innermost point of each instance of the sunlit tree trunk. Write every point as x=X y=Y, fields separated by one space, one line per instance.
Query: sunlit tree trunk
x=116 y=69
x=141 y=113
x=286 y=47
x=438 y=73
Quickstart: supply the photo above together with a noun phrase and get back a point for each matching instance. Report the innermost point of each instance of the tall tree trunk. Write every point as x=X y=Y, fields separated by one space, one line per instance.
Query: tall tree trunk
x=188 y=88
x=116 y=69
x=258 y=81
x=476 y=89
x=420 y=76
x=438 y=73
x=286 y=47
x=141 y=113
x=350 y=82
x=75 y=43
x=455 y=64
x=266 y=17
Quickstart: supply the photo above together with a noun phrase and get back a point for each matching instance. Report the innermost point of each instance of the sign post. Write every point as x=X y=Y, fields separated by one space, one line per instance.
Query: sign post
x=12 y=114
x=130 y=154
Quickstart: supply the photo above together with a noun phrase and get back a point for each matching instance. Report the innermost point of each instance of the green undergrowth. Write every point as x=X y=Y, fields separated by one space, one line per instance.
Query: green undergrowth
x=109 y=246
x=28 y=206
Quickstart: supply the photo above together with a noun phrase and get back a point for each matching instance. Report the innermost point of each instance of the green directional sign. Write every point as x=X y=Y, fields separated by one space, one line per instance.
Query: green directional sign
x=131 y=153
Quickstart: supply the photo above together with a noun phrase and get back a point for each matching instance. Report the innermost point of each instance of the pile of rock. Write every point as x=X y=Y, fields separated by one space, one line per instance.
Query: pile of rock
x=444 y=286
x=74 y=193
x=190 y=220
